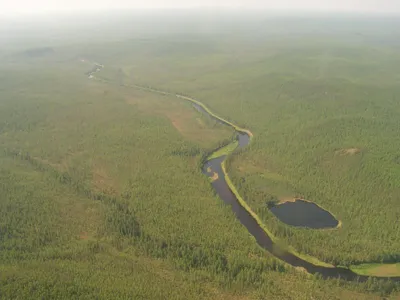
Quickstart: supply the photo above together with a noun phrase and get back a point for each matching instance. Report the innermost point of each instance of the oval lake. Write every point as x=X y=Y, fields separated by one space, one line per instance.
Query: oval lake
x=302 y=213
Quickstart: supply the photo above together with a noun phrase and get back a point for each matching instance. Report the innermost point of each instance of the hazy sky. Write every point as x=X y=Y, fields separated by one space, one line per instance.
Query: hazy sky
x=43 y=6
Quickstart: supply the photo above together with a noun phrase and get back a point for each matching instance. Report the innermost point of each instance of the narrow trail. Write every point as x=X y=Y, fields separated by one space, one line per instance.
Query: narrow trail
x=225 y=189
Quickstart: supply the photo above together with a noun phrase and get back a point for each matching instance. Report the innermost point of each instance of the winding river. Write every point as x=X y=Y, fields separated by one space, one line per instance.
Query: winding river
x=228 y=193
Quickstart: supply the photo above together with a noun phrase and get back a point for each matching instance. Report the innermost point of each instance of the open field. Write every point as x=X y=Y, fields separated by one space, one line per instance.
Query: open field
x=101 y=188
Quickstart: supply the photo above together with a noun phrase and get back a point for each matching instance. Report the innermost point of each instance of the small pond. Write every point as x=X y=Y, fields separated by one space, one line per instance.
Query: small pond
x=302 y=213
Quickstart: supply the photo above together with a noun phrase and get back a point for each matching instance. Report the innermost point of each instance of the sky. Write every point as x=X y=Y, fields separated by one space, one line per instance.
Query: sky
x=12 y=7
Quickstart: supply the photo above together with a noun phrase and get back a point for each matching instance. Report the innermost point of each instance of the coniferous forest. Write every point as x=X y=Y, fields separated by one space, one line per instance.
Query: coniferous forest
x=101 y=190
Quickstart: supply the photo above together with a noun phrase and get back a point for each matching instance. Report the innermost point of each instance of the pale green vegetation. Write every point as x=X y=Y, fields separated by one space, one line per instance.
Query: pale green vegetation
x=101 y=192
x=390 y=270
x=225 y=150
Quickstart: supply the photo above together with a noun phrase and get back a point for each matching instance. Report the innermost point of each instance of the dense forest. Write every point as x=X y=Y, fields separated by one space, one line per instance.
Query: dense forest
x=101 y=191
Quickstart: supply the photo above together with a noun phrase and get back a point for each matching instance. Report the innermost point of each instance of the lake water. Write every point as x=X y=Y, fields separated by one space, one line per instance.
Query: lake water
x=304 y=214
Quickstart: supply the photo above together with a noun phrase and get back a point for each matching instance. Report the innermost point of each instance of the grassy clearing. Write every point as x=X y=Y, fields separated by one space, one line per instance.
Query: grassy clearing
x=202 y=131
x=228 y=149
x=388 y=270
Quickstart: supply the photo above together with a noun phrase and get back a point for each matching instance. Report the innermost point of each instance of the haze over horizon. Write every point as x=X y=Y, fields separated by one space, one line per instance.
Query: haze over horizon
x=17 y=7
